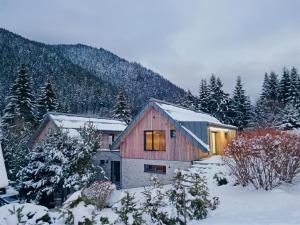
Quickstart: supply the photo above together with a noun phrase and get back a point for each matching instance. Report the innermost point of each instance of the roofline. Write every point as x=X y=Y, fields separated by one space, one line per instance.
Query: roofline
x=82 y=115
x=178 y=106
x=46 y=119
x=176 y=123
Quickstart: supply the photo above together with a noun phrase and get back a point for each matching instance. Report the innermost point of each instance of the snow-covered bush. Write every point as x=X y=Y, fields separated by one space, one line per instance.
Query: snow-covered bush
x=97 y=193
x=189 y=197
x=128 y=211
x=24 y=214
x=220 y=179
x=76 y=211
x=59 y=164
x=264 y=158
x=154 y=203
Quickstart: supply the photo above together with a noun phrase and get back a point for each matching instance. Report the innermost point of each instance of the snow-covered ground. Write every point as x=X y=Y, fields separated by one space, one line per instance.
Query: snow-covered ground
x=247 y=206
x=238 y=205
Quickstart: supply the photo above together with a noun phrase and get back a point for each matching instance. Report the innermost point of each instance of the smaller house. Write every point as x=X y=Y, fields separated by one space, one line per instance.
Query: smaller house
x=109 y=129
x=164 y=137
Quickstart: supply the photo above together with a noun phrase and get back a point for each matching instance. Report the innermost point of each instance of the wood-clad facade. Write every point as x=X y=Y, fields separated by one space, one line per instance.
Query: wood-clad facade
x=178 y=148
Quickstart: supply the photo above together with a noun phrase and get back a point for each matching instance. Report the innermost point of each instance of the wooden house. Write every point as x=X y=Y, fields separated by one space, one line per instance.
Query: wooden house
x=164 y=137
x=109 y=130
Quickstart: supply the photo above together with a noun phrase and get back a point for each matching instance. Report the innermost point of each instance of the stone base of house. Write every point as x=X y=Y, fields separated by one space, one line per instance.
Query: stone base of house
x=106 y=159
x=133 y=174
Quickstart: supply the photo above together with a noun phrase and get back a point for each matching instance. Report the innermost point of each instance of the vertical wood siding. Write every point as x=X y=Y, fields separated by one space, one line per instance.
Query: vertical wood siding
x=178 y=148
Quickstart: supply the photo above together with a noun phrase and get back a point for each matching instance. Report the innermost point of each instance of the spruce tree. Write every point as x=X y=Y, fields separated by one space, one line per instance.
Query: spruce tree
x=218 y=100
x=18 y=122
x=44 y=174
x=265 y=87
x=47 y=101
x=19 y=111
x=241 y=106
x=121 y=110
x=128 y=212
x=189 y=101
x=295 y=92
x=273 y=86
x=204 y=96
x=285 y=87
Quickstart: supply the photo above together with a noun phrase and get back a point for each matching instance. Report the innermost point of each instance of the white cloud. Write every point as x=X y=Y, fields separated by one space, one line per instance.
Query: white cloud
x=183 y=40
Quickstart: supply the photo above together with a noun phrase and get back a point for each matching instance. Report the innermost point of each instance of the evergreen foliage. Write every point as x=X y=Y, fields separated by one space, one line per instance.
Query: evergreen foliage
x=285 y=87
x=204 y=96
x=189 y=101
x=128 y=211
x=47 y=101
x=241 y=106
x=58 y=164
x=121 y=110
x=18 y=122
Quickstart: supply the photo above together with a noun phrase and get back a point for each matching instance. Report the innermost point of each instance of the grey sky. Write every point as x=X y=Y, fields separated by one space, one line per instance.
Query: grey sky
x=184 y=41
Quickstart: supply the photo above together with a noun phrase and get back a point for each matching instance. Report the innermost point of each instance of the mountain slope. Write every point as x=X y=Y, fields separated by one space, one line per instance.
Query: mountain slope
x=85 y=79
x=138 y=82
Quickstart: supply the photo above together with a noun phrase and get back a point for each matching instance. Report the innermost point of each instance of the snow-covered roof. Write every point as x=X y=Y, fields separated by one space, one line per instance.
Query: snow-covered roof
x=189 y=122
x=182 y=114
x=3 y=175
x=73 y=122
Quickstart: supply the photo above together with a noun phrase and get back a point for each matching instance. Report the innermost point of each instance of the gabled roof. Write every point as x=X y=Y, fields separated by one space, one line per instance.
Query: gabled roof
x=71 y=123
x=180 y=117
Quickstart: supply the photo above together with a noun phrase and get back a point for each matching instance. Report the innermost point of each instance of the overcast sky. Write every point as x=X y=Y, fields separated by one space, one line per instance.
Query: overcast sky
x=184 y=41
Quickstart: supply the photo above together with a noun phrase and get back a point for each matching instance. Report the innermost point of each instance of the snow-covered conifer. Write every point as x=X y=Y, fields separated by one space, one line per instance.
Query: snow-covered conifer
x=121 y=110
x=47 y=101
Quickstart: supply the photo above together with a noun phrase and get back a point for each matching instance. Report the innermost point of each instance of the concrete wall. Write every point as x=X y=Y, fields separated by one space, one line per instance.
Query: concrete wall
x=133 y=174
x=107 y=157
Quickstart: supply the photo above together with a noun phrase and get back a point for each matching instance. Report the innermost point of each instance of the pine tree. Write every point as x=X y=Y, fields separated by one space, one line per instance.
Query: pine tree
x=155 y=202
x=290 y=117
x=80 y=169
x=241 y=106
x=178 y=197
x=265 y=87
x=199 y=196
x=295 y=92
x=47 y=101
x=272 y=88
x=58 y=164
x=19 y=111
x=219 y=100
x=121 y=110
x=44 y=174
x=189 y=101
x=285 y=87
x=18 y=122
x=204 y=96
x=128 y=211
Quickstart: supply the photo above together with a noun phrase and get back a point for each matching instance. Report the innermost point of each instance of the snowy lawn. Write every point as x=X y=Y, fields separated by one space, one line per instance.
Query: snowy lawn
x=238 y=205
x=248 y=206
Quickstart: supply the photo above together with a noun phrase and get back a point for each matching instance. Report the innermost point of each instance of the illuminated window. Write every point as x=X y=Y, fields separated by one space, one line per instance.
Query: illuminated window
x=155 y=140
x=154 y=169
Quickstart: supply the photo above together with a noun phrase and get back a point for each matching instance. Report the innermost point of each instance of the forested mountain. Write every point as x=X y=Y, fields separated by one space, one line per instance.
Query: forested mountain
x=85 y=79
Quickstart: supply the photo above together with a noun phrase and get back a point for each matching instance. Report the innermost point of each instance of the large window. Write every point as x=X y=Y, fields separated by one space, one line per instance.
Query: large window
x=155 y=140
x=154 y=169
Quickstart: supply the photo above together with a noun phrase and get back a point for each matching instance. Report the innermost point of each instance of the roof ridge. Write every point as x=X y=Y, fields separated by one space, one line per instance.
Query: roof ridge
x=80 y=115
x=177 y=105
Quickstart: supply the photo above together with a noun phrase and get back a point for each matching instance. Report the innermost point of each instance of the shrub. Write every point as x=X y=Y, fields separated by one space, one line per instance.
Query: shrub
x=264 y=158
x=97 y=193
x=220 y=179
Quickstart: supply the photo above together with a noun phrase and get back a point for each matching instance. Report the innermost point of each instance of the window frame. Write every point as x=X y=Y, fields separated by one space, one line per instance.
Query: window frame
x=163 y=171
x=173 y=133
x=152 y=134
